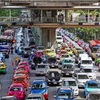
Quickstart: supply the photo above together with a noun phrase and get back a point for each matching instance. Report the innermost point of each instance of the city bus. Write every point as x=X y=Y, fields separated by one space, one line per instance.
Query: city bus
x=94 y=48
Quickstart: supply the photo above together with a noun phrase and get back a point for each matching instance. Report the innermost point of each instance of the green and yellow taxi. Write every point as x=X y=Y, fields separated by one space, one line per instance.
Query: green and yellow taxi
x=97 y=61
x=69 y=51
x=3 y=67
x=50 y=52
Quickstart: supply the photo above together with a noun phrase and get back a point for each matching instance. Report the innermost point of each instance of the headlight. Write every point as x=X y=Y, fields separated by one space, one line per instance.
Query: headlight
x=60 y=80
x=49 y=80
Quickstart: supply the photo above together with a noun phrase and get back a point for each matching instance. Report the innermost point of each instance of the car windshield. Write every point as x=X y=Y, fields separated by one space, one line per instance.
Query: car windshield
x=80 y=52
x=38 y=86
x=68 y=61
x=53 y=74
x=65 y=95
x=69 y=83
x=65 y=56
x=24 y=64
x=68 y=67
x=15 y=89
x=93 y=85
x=86 y=62
x=59 y=38
x=52 y=60
x=87 y=70
x=34 y=98
x=94 y=96
x=27 y=49
x=41 y=66
x=82 y=77
x=41 y=48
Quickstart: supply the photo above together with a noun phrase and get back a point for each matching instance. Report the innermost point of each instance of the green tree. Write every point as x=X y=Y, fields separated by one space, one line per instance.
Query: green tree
x=6 y=12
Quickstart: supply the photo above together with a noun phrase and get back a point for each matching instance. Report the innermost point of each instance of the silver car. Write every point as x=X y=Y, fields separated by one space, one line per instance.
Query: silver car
x=8 y=98
x=93 y=96
x=42 y=69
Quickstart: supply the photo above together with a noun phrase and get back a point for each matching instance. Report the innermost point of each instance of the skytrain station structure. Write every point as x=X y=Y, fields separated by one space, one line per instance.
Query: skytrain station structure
x=47 y=15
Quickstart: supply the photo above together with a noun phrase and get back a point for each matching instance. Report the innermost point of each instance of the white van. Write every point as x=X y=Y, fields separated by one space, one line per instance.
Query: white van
x=59 y=39
x=86 y=62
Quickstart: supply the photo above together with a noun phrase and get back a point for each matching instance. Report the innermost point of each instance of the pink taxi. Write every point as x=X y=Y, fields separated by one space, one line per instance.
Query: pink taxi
x=25 y=64
x=17 y=90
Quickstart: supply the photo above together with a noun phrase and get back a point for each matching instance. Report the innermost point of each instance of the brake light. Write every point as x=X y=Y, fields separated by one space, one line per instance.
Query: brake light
x=45 y=94
x=22 y=94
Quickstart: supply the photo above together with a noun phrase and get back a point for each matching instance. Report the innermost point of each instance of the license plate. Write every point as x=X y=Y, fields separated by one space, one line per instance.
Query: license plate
x=55 y=82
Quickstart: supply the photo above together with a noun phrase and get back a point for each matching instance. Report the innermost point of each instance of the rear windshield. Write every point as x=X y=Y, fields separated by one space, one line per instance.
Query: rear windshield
x=86 y=62
x=53 y=60
x=15 y=89
x=27 y=48
x=41 y=66
x=54 y=74
x=19 y=79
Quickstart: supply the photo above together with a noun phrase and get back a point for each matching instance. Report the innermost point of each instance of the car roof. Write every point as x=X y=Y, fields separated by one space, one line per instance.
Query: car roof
x=38 y=80
x=81 y=73
x=94 y=92
x=55 y=70
x=63 y=89
x=93 y=81
x=5 y=97
x=68 y=79
x=35 y=95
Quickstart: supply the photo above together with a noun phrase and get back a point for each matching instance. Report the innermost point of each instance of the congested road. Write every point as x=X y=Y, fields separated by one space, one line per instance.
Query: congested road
x=6 y=79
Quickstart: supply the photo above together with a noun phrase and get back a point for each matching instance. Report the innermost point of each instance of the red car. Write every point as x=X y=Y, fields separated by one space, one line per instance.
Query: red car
x=17 y=90
x=26 y=65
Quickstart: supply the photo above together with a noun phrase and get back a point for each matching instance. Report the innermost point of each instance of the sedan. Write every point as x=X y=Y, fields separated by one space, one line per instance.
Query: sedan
x=91 y=86
x=17 y=90
x=39 y=86
x=25 y=64
x=64 y=94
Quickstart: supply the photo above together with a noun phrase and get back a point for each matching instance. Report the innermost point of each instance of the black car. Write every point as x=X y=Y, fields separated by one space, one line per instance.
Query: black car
x=53 y=77
x=26 y=52
x=52 y=62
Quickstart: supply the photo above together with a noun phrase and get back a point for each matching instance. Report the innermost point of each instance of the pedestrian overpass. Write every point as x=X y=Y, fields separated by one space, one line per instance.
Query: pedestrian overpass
x=44 y=14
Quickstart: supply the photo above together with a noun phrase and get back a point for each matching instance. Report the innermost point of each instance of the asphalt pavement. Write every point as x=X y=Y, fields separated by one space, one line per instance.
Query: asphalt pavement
x=6 y=80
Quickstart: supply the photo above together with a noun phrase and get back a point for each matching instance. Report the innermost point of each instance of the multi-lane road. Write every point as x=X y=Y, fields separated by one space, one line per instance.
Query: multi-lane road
x=6 y=80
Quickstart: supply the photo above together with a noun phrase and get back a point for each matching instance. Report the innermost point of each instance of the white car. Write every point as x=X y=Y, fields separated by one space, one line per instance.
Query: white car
x=81 y=79
x=35 y=97
x=42 y=69
x=70 y=82
x=90 y=72
x=59 y=39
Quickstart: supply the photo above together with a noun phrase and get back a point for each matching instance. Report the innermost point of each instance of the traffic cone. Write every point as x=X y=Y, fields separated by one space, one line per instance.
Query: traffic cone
x=12 y=64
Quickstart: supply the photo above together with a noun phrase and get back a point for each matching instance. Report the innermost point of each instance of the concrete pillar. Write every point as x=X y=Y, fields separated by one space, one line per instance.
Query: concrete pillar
x=66 y=16
x=48 y=36
x=41 y=16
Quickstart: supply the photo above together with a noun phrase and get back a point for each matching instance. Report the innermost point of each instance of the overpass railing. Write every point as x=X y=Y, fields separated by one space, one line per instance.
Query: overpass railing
x=50 y=20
